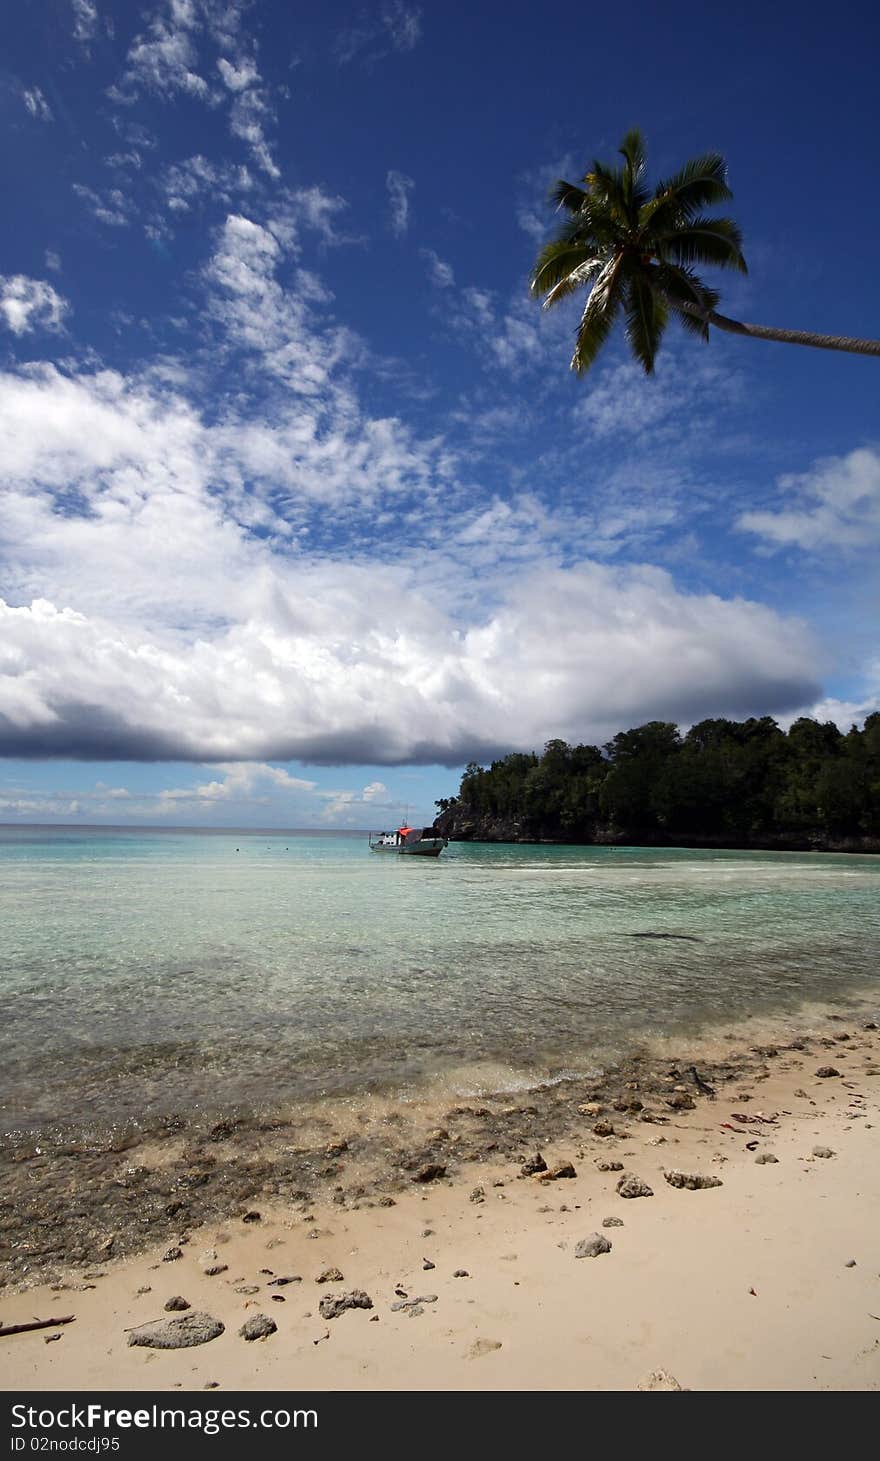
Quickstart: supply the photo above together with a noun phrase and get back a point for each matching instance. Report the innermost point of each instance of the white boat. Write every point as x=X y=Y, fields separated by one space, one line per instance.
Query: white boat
x=385 y=842
x=409 y=841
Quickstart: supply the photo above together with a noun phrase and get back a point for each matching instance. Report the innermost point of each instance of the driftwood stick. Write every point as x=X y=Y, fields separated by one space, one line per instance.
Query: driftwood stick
x=34 y=1324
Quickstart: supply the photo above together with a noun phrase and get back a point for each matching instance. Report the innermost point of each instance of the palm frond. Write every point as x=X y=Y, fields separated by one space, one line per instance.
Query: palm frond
x=701 y=183
x=567 y=195
x=597 y=320
x=556 y=262
x=647 y=315
x=595 y=327
x=607 y=186
x=715 y=241
x=594 y=226
x=684 y=292
x=580 y=275
x=633 y=150
x=693 y=324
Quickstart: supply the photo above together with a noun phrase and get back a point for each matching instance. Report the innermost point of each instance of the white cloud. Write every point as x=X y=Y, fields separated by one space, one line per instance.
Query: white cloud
x=535 y=215
x=844 y=713
x=248 y=115
x=258 y=313
x=165 y=57
x=403 y=24
x=123 y=161
x=240 y=779
x=311 y=208
x=53 y=261
x=439 y=272
x=131 y=471
x=283 y=327
x=349 y=807
x=37 y=104
x=185 y=185
x=399 y=188
x=168 y=59
x=243 y=785
x=85 y=20
x=33 y=807
x=238 y=75
x=533 y=223
x=30 y=304
x=864 y=701
x=111 y=207
x=684 y=394
x=397 y=27
x=374 y=791
x=303 y=662
x=834 y=505
x=514 y=337
x=160 y=600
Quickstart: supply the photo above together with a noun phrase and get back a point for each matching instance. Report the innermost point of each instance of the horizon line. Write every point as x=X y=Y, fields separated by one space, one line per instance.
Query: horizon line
x=178 y=827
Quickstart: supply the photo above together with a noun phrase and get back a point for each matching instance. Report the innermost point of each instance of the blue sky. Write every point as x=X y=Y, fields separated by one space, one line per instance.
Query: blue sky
x=301 y=506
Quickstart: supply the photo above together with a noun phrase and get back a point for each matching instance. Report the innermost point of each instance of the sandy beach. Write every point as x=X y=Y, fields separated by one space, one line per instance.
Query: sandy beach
x=769 y=1280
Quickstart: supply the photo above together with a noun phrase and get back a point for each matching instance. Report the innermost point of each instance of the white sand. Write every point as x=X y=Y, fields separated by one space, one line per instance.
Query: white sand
x=744 y=1286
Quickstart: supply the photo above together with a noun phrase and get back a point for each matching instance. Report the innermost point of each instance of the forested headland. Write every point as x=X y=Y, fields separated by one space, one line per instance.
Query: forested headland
x=723 y=783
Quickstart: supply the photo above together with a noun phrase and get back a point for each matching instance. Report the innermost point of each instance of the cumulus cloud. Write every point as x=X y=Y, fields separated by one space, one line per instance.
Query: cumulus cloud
x=30 y=304
x=305 y=663
x=845 y=713
x=243 y=779
x=349 y=806
x=399 y=187
x=834 y=505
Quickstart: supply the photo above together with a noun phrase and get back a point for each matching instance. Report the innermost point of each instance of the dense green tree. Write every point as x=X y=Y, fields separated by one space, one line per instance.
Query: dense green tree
x=740 y=782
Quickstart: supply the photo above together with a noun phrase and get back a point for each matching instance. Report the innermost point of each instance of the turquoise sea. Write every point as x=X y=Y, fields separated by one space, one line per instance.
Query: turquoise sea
x=145 y=973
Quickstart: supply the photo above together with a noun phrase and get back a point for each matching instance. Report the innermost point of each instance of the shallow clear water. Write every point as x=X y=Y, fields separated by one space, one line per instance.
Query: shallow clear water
x=144 y=973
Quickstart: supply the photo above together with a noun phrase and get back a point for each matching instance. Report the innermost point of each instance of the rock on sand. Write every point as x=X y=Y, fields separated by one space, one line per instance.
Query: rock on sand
x=632 y=1186
x=659 y=1380
x=189 y=1329
x=258 y=1327
x=332 y=1305
x=592 y=1246
x=693 y=1181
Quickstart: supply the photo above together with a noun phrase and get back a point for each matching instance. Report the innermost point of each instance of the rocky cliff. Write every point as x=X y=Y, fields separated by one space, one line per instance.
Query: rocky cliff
x=462 y=824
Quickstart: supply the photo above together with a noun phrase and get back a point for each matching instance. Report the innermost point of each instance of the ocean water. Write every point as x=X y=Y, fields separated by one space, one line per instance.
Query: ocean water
x=150 y=973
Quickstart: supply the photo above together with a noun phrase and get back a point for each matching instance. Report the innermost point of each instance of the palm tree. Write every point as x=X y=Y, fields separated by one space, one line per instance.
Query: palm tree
x=636 y=250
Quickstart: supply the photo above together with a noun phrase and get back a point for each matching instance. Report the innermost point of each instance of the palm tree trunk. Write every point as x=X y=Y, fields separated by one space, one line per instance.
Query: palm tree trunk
x=851 y=345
